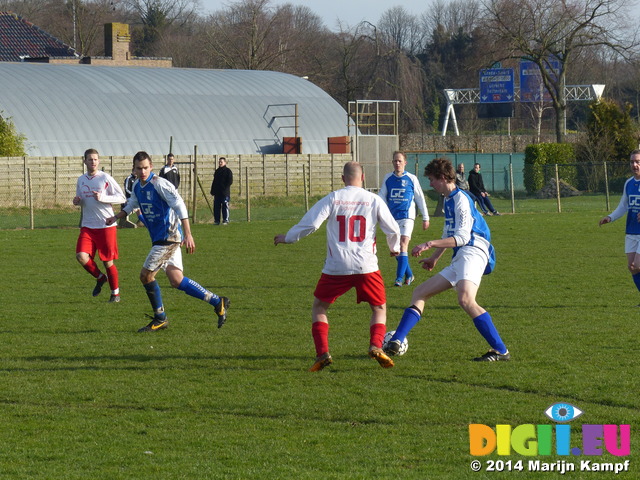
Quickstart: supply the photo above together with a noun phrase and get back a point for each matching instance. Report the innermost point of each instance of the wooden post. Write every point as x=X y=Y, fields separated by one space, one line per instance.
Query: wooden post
x=248 y=198
x=194 y=184
x=304 y=182
x=30 y=194
x=558 y=190
x=513 y=197
x=286 y=174
x=606 y=185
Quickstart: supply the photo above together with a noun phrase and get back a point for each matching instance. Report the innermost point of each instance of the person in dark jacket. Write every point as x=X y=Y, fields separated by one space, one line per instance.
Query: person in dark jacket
x=221 y=191
x=170 y=171
x=476 y=186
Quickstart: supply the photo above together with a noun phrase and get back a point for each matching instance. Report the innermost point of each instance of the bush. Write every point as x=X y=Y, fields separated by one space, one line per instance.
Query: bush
x=11 y=142
x=536 y=157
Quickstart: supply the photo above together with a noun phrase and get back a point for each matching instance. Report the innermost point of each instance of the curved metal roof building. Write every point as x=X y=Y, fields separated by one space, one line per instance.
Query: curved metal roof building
x=65 y=109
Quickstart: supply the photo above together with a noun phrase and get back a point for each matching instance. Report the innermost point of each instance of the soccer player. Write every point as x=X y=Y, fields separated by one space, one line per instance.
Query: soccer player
x=352 y=214
x=466 y=232
x=96 y=191
x=630 y=204
x=401 y=191
x=167 y=221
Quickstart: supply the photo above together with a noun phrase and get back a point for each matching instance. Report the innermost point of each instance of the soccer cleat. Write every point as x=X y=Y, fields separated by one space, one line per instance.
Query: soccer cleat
x=114 y=298
x=493 y=356
x=379 y=356
x=155 y=325
x=496 y=213
x=322 y=361
x=398 y=283
x=99 y=284
x=221 y=310
x=393 y=347
x=409 y=280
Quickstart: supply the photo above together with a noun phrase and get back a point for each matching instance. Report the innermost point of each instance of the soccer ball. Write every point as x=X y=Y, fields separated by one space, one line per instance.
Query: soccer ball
x=403 y=347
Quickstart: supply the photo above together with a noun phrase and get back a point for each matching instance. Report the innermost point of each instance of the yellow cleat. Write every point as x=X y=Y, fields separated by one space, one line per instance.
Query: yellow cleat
x=322 y=361
x=382 y=358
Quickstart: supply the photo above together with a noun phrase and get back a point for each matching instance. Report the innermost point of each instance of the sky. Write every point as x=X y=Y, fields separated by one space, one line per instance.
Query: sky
x=350 y=12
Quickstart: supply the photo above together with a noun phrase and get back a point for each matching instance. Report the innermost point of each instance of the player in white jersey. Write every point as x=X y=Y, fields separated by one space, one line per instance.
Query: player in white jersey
x=630 y=206
x=466 y=232
x=352 y=214
x=402 y=191
x=167 y=220
x=96 y=191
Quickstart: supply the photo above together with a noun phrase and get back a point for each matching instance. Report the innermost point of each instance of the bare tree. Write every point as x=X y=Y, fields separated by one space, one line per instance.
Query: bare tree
x=548 y=32
x=402 y=29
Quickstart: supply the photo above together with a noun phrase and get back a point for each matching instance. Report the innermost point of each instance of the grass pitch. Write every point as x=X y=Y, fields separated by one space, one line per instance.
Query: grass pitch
x=84 y=396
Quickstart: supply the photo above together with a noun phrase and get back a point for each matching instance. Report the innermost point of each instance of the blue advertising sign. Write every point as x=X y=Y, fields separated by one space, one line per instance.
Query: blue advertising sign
x=496 y=85
x=532 y=88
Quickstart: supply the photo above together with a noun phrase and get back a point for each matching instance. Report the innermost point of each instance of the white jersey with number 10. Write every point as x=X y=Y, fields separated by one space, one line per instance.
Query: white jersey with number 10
x=352 y=214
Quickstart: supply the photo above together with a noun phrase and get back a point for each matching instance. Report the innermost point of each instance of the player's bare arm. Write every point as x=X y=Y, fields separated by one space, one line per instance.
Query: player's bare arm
x=188 y=241
x=279 y=239
x=425 y=224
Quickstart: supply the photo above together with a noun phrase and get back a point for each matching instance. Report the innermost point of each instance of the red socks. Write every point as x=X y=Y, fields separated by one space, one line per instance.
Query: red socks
x=320 y=333
x=377 y=331
x=92 y=268
x=112 y=274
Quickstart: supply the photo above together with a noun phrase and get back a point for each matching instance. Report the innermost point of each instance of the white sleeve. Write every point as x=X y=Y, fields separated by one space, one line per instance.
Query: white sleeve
x=464 y=221
x=419 y=198
x=169 y=194
x=112 y=193
x=623 y=206
x=389 y=226
x=311 y=220
x=383 y=189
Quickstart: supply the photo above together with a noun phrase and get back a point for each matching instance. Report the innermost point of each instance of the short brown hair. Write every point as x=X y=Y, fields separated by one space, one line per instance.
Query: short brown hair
x=138 y=157
x=90 y=151
x=440 y=168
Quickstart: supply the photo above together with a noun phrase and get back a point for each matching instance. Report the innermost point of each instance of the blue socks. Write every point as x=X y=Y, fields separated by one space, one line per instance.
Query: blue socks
x=485 y=326
x=409 y=319
x=196 y=290
x=636 y=280
x=403 y=269
x=155 y=297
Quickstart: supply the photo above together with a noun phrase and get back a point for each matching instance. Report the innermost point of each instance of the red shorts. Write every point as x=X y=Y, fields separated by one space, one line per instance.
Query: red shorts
x=104 y=240
x=369 y=288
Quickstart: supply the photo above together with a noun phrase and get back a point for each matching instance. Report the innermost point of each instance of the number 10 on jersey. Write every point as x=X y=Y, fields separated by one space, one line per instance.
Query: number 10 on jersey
x=354 y=228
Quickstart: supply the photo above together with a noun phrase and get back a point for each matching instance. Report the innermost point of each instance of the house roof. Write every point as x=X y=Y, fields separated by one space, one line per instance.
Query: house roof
x=65 y=109
x=19 y=39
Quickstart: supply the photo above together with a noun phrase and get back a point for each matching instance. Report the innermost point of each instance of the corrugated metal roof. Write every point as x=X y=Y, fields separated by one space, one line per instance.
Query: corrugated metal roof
x=65 y=109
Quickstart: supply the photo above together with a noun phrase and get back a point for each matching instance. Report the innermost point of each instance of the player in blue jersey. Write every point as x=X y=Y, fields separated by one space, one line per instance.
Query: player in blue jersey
x=630 y=205
x=401 y=192
x=167 y=221
x=466 y=232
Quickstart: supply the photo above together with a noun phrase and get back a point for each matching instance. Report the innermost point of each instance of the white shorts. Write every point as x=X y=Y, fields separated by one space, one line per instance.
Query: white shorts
x=468 y=264
x=406 y=226
x=631 y=243
x=161 y=256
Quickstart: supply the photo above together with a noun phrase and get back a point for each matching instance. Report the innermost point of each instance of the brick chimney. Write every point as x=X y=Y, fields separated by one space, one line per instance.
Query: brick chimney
x=116 y=41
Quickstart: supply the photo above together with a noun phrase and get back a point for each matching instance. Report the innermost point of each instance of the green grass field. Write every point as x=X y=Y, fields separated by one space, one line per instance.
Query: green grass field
x=85 y=397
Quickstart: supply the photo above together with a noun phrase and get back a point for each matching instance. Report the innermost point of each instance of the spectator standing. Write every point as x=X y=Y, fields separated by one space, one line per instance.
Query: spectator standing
x=170 y=171
x=221 y=191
